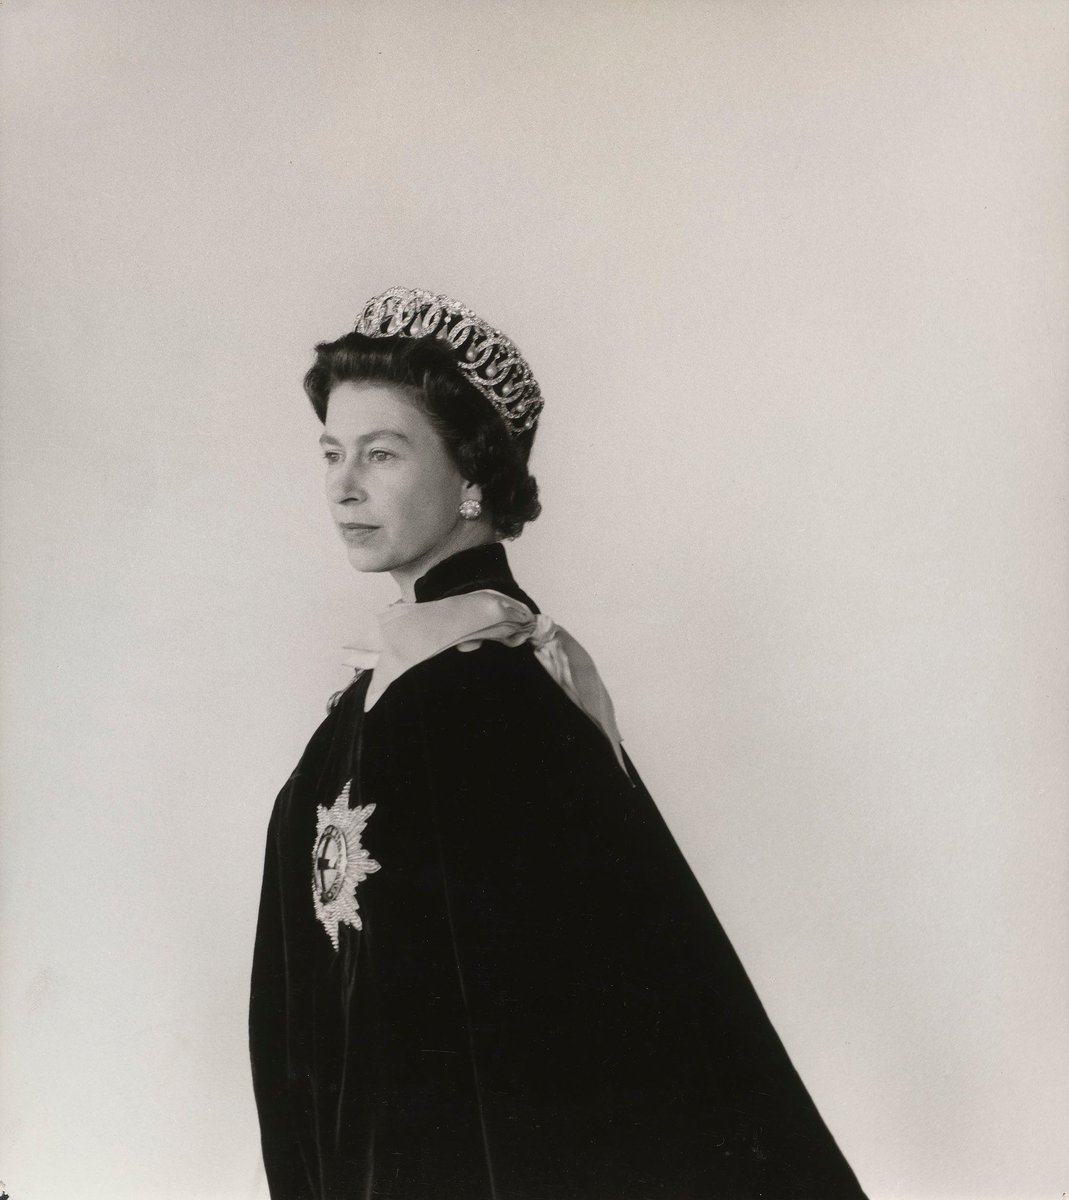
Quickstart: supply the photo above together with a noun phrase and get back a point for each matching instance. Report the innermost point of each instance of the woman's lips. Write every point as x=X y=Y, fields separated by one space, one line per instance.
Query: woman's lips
x=353 y=532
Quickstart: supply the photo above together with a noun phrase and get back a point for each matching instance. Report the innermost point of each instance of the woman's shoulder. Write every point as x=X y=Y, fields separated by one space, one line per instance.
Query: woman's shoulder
x=497 y=706
x=493 y=678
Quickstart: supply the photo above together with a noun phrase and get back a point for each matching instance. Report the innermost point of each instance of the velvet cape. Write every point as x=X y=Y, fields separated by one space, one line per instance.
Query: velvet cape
x=541 y=1003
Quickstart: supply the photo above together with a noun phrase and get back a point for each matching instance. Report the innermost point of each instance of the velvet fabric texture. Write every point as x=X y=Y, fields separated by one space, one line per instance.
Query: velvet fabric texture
x=540 y=1004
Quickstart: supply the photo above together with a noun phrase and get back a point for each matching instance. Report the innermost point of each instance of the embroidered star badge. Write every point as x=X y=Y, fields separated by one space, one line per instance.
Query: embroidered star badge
x=339 y=863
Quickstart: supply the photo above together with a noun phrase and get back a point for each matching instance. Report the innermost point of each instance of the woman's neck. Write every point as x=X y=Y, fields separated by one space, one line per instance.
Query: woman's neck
x=464 y=537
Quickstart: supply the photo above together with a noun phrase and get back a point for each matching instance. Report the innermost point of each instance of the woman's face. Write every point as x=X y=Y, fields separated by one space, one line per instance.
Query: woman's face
x=393 y=489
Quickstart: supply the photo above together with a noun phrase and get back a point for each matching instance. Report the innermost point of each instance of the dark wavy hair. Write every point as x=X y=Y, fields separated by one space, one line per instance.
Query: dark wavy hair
x=475 y=436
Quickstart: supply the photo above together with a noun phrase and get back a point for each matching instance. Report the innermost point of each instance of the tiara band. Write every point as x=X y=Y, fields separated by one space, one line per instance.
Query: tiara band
x=490 y=361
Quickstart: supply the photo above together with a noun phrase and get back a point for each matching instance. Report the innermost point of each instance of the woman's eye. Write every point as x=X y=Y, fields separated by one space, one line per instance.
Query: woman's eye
x=379 y=456
x=332 y=456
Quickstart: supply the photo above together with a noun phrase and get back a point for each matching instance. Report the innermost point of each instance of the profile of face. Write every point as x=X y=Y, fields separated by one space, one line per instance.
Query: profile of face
x=393 y=489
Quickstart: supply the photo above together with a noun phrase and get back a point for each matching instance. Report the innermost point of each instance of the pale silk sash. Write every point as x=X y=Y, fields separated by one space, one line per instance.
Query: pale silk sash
x=407 y=634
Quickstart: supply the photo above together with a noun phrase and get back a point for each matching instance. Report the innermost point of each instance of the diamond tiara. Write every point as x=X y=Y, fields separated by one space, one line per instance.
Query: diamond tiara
x=490 y=361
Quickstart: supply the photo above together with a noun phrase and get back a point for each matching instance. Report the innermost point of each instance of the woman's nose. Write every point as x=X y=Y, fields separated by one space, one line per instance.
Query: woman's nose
x=345 y=483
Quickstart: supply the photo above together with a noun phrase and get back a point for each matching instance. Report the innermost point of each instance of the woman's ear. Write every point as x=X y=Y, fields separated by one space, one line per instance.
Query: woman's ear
x=472 y=491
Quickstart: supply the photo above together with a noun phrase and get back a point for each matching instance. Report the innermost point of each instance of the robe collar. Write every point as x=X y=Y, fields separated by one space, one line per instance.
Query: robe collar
x=471 y=570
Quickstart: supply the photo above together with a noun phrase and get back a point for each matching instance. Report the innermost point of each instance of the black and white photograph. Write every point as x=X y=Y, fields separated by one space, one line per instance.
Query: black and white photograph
x=534 y=600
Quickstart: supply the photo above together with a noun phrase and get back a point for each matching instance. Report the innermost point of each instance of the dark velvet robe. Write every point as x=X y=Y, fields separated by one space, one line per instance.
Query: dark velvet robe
x=541 y=1004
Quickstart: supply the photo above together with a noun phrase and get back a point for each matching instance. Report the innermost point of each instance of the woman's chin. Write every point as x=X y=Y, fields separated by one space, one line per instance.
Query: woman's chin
x=365 y=560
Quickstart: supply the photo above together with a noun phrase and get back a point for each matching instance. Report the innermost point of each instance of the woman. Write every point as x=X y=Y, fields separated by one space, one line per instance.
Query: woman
x=482 y=967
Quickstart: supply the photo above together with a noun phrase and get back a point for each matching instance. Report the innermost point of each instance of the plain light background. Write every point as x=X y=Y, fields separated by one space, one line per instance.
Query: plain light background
x=793 y=279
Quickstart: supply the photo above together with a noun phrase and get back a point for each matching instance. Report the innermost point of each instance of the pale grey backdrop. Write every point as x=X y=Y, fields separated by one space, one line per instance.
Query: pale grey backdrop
x=793 y=277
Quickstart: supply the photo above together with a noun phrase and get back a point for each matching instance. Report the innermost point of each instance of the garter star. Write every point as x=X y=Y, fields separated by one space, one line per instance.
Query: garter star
x=339 y=863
